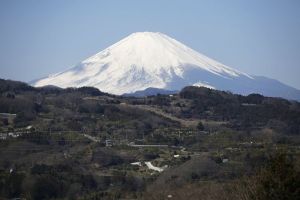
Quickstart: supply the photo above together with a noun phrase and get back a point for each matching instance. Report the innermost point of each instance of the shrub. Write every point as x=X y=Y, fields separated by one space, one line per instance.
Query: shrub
x=278 y=180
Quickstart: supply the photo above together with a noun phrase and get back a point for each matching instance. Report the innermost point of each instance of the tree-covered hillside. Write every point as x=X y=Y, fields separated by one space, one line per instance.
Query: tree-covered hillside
x=81 y=143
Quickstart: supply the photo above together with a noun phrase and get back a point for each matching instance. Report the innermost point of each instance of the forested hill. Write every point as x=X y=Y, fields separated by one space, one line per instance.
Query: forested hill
x=243 y=111
x=240 y=112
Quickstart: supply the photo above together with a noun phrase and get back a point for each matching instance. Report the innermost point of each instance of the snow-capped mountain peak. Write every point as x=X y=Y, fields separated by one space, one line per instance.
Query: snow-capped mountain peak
x=152 y=60
x=156 y=51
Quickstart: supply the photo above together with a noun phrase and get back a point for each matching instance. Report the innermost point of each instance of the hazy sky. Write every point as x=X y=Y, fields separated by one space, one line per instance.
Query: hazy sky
x=39 y=37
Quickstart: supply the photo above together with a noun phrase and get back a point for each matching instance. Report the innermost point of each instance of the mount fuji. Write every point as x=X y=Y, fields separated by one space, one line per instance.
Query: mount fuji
x=154 y=60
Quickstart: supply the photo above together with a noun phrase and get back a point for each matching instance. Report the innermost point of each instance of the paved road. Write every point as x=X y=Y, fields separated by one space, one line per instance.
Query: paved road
x=150 y=166
x=94 y=139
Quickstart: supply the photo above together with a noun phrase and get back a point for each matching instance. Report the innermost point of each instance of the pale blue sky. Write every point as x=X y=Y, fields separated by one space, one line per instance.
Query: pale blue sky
x=39 y=37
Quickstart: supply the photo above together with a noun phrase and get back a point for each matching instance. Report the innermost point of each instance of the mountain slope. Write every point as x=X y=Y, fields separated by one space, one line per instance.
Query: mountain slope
x=153 y=60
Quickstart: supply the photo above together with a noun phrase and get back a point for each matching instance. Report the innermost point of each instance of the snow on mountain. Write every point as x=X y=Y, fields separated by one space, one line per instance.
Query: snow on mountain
x=139 y=61
x=151 y=60
x=201 y=84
